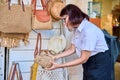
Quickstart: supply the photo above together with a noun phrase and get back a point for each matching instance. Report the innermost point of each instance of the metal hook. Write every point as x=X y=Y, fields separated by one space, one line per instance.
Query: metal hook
x=35 y=31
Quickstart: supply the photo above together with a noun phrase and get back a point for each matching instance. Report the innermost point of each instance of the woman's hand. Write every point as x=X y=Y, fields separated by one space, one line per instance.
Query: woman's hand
x=54 y=66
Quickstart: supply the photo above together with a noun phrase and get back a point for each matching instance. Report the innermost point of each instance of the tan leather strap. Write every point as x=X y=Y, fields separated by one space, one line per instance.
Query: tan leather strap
x=13 y=74
x=9 y=1
x=38 y=45
x=43 y=2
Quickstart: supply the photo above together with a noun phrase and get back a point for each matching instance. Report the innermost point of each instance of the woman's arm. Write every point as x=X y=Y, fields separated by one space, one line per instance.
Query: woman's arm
x=84 y=57
x=67 y=52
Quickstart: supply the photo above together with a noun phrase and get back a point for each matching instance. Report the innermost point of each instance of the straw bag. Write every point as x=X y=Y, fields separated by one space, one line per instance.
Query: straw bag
x=56 y=9
x=41 y=18
x=15 y=18
x=50 y=4
x=41 y=58
x=11 y=40
x=15 y=72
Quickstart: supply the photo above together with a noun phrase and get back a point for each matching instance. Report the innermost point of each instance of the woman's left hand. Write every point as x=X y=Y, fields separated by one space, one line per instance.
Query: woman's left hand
x=54 y=66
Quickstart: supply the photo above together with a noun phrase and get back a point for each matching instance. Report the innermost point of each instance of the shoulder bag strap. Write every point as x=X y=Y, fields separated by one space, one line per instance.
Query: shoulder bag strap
x=38 y=44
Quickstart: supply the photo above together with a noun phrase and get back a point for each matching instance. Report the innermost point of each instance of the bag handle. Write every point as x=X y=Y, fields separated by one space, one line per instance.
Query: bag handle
x=9 y=1
x=15 y=69
x=44 y=5
x=38 y=44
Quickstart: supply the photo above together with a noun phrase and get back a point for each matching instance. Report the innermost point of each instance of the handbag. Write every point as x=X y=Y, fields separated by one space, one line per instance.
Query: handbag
x=15 y=18
x=41 y=56
x=15 y=71
x=57 y=43
x=41 y=19
x=41 y=59
x=56 y=9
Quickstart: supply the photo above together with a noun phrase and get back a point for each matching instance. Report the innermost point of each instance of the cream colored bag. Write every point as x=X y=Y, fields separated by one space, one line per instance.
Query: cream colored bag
x=57 y=43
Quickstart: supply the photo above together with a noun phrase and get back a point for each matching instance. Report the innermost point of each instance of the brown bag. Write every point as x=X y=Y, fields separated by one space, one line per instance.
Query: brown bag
x=38 y=57
x=15 y=18
x=56 y=9
x=41 y=56
x=50 y=4
x=41 y=19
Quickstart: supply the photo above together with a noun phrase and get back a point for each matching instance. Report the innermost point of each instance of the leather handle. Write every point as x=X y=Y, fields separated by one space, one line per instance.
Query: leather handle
x=19 y=3
x=15 y=69
x=43 y=2
x=38 y=45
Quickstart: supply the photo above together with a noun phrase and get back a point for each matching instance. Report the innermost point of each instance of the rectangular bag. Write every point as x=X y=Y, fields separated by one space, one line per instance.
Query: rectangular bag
x=15 y=18
x=41 y=20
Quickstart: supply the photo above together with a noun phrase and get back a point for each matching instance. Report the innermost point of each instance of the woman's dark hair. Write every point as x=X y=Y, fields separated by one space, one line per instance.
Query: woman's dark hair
x=75 y=14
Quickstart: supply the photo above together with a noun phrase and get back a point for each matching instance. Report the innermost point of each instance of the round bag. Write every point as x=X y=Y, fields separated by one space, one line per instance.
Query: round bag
x=56 y=9
x=43 y=59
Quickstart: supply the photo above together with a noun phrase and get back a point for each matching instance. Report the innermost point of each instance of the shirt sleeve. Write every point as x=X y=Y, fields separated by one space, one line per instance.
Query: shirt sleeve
x=89 y=41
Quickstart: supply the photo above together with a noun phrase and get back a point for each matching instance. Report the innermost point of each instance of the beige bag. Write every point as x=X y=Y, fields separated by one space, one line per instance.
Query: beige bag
x=57 y=43
x=41 y=19
x=41 y=56
x=11 y=40
x=15 y=18
x=37 y=25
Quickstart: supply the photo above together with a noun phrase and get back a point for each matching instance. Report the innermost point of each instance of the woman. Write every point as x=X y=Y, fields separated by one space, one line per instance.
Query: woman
x=89 y=44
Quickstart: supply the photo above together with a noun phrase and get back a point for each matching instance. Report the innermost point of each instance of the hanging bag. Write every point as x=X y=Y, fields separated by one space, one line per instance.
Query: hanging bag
x=41 y=58
x=41 y=18
x=57 y=43
x=15 y=18
x=56 y=8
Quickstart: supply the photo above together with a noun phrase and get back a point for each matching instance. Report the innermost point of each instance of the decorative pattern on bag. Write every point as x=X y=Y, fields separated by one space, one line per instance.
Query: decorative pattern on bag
x=13 y=18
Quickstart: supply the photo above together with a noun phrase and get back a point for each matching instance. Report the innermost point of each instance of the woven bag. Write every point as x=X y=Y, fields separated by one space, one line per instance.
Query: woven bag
x=15 y=18
x=41 y=56
x=56 y=9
